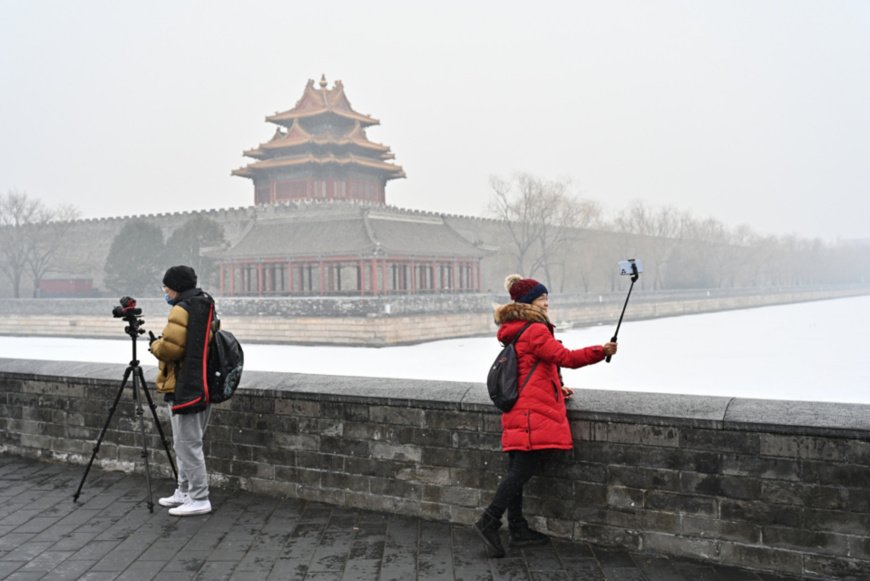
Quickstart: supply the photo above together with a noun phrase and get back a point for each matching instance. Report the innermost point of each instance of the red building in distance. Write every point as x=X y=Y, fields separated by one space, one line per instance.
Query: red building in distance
x=320 y=151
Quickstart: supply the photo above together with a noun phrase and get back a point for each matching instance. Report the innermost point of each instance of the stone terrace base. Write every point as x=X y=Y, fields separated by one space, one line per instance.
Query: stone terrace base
x=110 y=532
x=383 y=321
x=772 y=486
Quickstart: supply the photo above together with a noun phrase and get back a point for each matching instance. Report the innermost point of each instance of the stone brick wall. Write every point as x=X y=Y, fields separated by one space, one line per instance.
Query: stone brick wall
x=771 y=485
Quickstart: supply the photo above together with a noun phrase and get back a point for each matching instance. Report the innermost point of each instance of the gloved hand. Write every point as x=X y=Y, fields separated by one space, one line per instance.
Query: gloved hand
x=151 y=338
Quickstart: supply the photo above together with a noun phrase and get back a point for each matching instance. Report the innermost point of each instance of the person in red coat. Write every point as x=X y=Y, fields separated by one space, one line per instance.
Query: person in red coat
x=538 y=421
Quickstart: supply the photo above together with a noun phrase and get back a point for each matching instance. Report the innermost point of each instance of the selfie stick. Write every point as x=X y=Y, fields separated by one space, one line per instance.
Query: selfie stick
x=634 y=276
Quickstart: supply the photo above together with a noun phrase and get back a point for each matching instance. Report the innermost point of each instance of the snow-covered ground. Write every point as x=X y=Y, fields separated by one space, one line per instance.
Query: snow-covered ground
x=809 y=351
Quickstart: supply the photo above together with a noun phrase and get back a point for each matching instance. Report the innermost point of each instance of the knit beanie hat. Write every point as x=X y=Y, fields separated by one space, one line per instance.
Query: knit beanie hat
x=180 y=278
x=524 y=290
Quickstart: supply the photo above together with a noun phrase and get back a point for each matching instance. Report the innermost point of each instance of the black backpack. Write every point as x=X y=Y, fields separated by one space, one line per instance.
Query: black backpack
x=502 y=381
x=226 y=359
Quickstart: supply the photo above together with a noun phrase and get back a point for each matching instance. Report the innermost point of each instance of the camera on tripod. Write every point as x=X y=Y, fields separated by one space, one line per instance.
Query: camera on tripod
x=130 y=313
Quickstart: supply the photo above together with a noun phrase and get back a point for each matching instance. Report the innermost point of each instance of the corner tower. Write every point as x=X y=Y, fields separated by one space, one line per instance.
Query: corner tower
x=320 y=151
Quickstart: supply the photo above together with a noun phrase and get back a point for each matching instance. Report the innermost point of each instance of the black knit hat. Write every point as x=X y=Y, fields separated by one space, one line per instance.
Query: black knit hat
x=180 y=278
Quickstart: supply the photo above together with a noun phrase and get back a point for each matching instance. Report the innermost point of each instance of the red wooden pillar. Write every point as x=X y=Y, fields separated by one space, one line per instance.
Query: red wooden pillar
x=479 y=283
x=290 y=277
x=374 y=276
x=362 y=277
x=260 y=278
x=453 y=273
x=232 y=279
x=413 y=277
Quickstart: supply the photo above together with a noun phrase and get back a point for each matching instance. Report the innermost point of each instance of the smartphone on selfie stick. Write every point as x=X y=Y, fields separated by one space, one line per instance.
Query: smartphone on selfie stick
x=632 y=268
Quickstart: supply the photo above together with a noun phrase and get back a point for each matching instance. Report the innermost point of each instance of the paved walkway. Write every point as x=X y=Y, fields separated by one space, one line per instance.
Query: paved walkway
x=110 y=534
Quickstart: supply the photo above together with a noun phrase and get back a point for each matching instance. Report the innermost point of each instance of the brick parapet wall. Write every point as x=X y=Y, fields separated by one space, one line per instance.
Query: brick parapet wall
x=382 y=321
x=770 y=485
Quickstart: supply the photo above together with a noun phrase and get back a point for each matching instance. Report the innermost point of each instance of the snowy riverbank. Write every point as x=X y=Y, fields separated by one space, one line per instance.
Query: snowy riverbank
x=814 y=351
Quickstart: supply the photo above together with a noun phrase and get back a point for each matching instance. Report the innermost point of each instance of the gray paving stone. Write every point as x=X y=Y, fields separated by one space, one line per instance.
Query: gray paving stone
x=696 y=571
x=70 y=570
x=139 y=571
x=549 y=576
x=110 y=534
x=8 y=567
x=190 y=562
x=543 y=558
x=12 y=541
x=361 y=569
x=25 y=576
x=47 y=560
x=658 y=568
x=510 y=569
x=289 y=570
x=466 y=574
x=218 y=571
x=116 y=560
x=26 y=551
x=623 y=574
x=94 y=550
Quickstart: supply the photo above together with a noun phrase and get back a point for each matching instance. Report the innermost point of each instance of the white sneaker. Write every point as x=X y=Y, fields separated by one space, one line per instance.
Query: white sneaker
x=177 y=499
x=191 y=507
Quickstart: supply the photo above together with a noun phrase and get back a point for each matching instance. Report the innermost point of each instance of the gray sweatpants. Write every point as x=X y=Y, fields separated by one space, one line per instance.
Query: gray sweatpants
x=187 y=432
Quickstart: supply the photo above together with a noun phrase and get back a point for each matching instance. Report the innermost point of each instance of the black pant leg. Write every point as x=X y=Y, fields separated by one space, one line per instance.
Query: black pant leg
x=521 y=468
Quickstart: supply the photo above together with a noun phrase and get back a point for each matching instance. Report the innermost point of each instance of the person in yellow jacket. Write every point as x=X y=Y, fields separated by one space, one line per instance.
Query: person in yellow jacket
x=181 y=351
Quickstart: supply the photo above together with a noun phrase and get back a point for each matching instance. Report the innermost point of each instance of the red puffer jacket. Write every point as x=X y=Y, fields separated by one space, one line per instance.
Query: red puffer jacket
x=538 y=420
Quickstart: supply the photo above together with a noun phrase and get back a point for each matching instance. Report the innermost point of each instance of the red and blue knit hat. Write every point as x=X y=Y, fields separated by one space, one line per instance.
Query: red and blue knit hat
x=524 y=290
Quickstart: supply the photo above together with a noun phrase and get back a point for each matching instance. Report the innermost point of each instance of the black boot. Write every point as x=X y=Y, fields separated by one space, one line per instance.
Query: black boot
x=487 y=529
x=522 y=536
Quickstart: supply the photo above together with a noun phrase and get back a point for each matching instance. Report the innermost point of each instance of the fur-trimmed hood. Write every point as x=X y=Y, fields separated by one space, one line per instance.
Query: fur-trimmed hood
x=520 y=312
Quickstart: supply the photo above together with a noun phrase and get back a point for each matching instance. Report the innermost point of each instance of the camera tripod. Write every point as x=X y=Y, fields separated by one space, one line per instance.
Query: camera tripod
x=138 y=384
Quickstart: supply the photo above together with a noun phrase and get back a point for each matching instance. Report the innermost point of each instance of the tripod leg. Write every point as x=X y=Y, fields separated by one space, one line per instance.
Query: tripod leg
x=153 y=407
x=103 y=432
x=140 y=412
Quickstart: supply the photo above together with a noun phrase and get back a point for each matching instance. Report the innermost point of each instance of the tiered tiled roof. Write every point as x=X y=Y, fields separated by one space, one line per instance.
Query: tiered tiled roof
x=315 y=102
x=321 y=130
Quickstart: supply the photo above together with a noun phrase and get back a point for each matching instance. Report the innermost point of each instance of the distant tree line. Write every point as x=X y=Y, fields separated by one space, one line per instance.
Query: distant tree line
x=35 y=243
x=138 y=256
x=573 y=244
x=543 y=230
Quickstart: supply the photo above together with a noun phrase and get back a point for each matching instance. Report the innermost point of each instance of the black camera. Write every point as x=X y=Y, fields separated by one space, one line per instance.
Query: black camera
x=127 y=309
x=130 y=313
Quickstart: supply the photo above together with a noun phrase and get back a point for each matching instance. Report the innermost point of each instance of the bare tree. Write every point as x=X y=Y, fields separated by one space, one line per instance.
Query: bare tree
x=46 y=239
x=656 y=232
x=520 y=213
x=17 y=211
x=542 y=219
x=720 y=250
x=31 y=235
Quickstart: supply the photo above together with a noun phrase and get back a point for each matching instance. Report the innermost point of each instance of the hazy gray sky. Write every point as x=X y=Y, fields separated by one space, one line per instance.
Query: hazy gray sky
x=750 y=111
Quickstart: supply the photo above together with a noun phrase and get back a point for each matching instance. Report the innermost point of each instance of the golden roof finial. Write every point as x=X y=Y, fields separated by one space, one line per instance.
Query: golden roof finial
x=323 y=82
